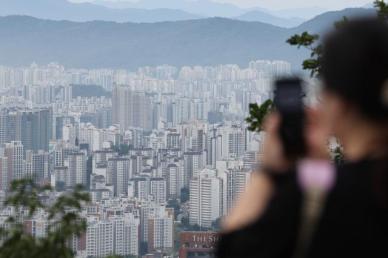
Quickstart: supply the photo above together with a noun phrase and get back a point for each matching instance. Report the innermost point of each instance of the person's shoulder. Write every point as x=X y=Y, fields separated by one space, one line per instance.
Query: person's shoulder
x=356 y=168
x=358 y=175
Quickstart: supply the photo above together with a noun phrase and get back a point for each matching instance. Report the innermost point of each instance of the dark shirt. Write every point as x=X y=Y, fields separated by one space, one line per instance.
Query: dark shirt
x=354 y=221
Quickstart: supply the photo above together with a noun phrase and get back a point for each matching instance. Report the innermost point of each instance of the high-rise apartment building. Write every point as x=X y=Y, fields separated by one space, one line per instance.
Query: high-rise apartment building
x=234 y=183
x=131 y=108
x=118 y=174
x=33 y=127
x=175 y=179
x=140 y=187
x=113 y=236
x=14 y=151
x=99 y=238
x=4 y=174
x=206 y=198
x=158 y=190
x=160 y=233
x=60 y=178
x=36 y=127
x=37 y=166
x=76 y=163
x=193 y=164
x=8 y=126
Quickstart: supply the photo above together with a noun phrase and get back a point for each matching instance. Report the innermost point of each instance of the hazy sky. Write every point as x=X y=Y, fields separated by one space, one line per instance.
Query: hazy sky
x=282 y=4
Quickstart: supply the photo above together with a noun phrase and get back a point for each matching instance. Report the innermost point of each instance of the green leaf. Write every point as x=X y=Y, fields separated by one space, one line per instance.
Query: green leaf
x=257 y=114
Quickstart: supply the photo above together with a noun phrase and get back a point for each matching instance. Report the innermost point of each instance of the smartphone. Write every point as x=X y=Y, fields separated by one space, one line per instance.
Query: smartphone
x=288 y=101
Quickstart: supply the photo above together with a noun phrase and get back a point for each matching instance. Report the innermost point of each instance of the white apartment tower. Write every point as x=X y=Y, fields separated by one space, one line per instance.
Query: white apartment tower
x=99 y=239
x=4 y=174
x=113 y=236
x=160 y=231
x=158 y=190
x=234 y=184
x=14 y=151
x=193 y=164
x=206 y=198
x=175 y=179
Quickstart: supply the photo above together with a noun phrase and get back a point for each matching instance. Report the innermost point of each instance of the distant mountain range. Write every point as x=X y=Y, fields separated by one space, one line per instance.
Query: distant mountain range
x=265 y=17
x=143 y=11
x=150 y=11
x=65 y=10
x=99 y=44
x=209 y=8
x=206 y=8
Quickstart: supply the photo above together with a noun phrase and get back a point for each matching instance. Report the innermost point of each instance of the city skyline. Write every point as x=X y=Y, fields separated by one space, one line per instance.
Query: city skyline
x=162 y=151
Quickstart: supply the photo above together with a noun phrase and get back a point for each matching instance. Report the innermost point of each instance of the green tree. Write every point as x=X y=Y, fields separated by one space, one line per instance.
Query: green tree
x=121 y=149
x=185 y=194
x=307 y=40
x=312 y=64
x=64 y=222
x=382 y=9
x=311 y=41
x=175 y=205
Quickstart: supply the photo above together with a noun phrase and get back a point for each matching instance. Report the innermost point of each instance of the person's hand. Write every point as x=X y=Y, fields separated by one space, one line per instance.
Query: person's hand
x=253 y=202
x=250 y=205
x=316 y=140
x=273 y=152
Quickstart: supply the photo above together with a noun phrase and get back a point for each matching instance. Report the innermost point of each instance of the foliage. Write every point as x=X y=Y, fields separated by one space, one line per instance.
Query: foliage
x=382 y=9
x=308 y=41
x=185 y=194
x=185 y=222
x=313 y=64
x=122 y=149
x=175 y=205
x=188 y=227
x=63 y=221
x=257 y=114
x=338 y=155
x=216 y=225
x=311 y=41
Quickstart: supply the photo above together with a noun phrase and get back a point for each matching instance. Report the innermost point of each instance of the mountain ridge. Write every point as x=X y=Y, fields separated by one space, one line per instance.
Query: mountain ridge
x=260 y=16
x=100 y=44
x=81 y=12
x=142 y=11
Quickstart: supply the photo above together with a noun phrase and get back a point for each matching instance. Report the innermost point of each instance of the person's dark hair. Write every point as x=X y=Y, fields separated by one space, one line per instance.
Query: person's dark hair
x=355 y=66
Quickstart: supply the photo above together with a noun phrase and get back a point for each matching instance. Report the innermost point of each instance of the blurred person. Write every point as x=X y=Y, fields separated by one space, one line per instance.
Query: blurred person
x=268 y=220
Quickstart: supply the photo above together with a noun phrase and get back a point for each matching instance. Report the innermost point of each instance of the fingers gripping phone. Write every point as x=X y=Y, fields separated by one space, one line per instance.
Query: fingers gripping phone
x=288 y=101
